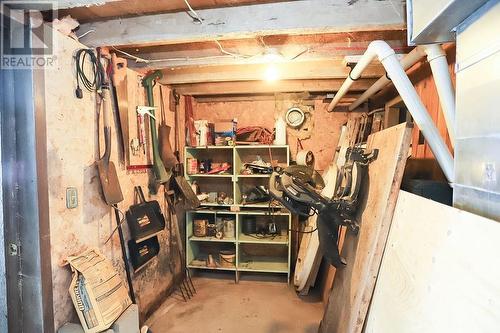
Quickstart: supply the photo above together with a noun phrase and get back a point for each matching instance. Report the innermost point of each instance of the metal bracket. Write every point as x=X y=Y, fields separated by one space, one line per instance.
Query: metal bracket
x=143 y=110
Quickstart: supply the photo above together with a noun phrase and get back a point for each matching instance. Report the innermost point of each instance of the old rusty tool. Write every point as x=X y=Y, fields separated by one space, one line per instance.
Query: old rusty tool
x=111 y=189
x=141 y=125
x=119 y=78
x=124 y=253
x=166 y=153
x=161 y=174
x=185 y=279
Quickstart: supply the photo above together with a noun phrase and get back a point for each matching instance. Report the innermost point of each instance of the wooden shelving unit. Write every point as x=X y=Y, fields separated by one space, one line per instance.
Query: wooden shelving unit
x=254 y=252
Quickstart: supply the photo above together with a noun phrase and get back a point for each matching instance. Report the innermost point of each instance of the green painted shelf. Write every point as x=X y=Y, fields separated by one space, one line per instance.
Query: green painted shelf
x=256 y=239
x=263 y=264
x=212 y=268
x=211 y=239
x=253 y=176
x=265 y=255
x=211 y=175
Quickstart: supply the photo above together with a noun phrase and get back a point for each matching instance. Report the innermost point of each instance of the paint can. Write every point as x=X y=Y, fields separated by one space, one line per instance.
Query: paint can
x=229 y=228
x=249 y=225
x=192 y=166
x=227 y=259
x=200 y=228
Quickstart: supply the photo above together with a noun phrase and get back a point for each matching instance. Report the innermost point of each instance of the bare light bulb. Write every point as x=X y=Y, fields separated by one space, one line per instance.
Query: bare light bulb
x=272 y=73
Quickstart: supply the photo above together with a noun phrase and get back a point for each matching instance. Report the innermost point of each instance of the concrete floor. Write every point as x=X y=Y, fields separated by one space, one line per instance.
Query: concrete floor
x=254 y=305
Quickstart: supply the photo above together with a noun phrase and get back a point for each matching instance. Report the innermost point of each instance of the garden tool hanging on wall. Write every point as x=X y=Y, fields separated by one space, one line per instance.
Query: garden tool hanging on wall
x=110 y=185
x=166 y=153
x=111 y=189
x=142 y=112
x=161 y=174
x=119 y=79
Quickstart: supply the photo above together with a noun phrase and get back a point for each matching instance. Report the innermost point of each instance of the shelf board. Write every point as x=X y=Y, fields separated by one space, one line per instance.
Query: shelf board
x=262 y=212
x=259 y=205
x=213 y=204
x=211 y=175
x=208 y=211
x=254 y=176
x=260 y=146
x=209 y=147
x=212 y=268
x=263 y=264
x=283 y=240
x=212 y=239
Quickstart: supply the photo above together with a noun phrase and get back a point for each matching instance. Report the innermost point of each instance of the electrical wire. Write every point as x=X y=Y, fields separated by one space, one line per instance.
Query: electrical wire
x=236 y=55
x=136 y=58
x=193 y=14
x=303 y=232
x=150 y=61
x=95 y=80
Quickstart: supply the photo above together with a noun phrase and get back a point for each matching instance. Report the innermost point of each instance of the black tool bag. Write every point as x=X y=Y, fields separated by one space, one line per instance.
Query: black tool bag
x=141 y=253
x=144 y=218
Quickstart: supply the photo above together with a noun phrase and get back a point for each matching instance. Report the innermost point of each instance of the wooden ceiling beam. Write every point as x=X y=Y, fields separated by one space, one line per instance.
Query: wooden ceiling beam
x=92 y=10
x=294 y=70
x=346 y=40
x=293 y=18
x=262 y=87
x=346 y=100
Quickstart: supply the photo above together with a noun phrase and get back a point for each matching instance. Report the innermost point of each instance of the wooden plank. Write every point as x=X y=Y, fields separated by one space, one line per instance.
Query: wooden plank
x=334 y=44
x=106 y=9
x=391 y=116
x=262 y=97
x=354 y=283
x=261 y=87
x=299 y=47
x=292 y=17
x=439 y=273
x=329 y=276
x=293 y=70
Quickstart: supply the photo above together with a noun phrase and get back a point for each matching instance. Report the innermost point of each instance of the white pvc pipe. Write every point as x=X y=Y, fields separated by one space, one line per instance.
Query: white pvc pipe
x=439 y=67
x=409 y=96
x=409 y=60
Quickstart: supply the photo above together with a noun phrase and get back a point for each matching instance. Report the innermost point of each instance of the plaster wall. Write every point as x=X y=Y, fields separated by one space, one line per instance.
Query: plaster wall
x=324 y=136
x=72 y=149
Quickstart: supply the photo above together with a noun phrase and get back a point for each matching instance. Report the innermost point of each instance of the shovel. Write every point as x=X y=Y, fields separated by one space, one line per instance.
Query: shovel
x=111 y=189
x=166 y=153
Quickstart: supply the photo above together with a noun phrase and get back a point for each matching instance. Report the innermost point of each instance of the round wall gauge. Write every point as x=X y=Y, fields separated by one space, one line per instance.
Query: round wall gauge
x=295 y=117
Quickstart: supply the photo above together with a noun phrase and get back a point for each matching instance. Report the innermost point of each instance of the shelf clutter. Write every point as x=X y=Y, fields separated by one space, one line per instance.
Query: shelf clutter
x=243 y=241
x=243 y=182
x=239 y=228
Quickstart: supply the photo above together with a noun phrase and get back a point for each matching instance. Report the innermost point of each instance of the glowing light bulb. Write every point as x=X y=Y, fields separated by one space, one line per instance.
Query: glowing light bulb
x=272 y=73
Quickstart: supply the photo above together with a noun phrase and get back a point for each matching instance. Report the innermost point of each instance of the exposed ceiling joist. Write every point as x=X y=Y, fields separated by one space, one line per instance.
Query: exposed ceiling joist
x=295 y=17
x=93 y=10
x=320 y=69
x=326 y=69
x=346 y=100
x=262 y=87
x=298 y=47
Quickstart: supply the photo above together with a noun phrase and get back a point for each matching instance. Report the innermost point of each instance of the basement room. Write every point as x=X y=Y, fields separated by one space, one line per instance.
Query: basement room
x=222 y=166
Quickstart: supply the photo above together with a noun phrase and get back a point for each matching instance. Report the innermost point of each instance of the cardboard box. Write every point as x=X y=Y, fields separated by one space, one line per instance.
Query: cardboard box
x=226 y=128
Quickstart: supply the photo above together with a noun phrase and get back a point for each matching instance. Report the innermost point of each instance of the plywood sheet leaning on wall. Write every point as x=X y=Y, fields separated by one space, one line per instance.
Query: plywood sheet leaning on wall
x=439 y=273
x=353 y=286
